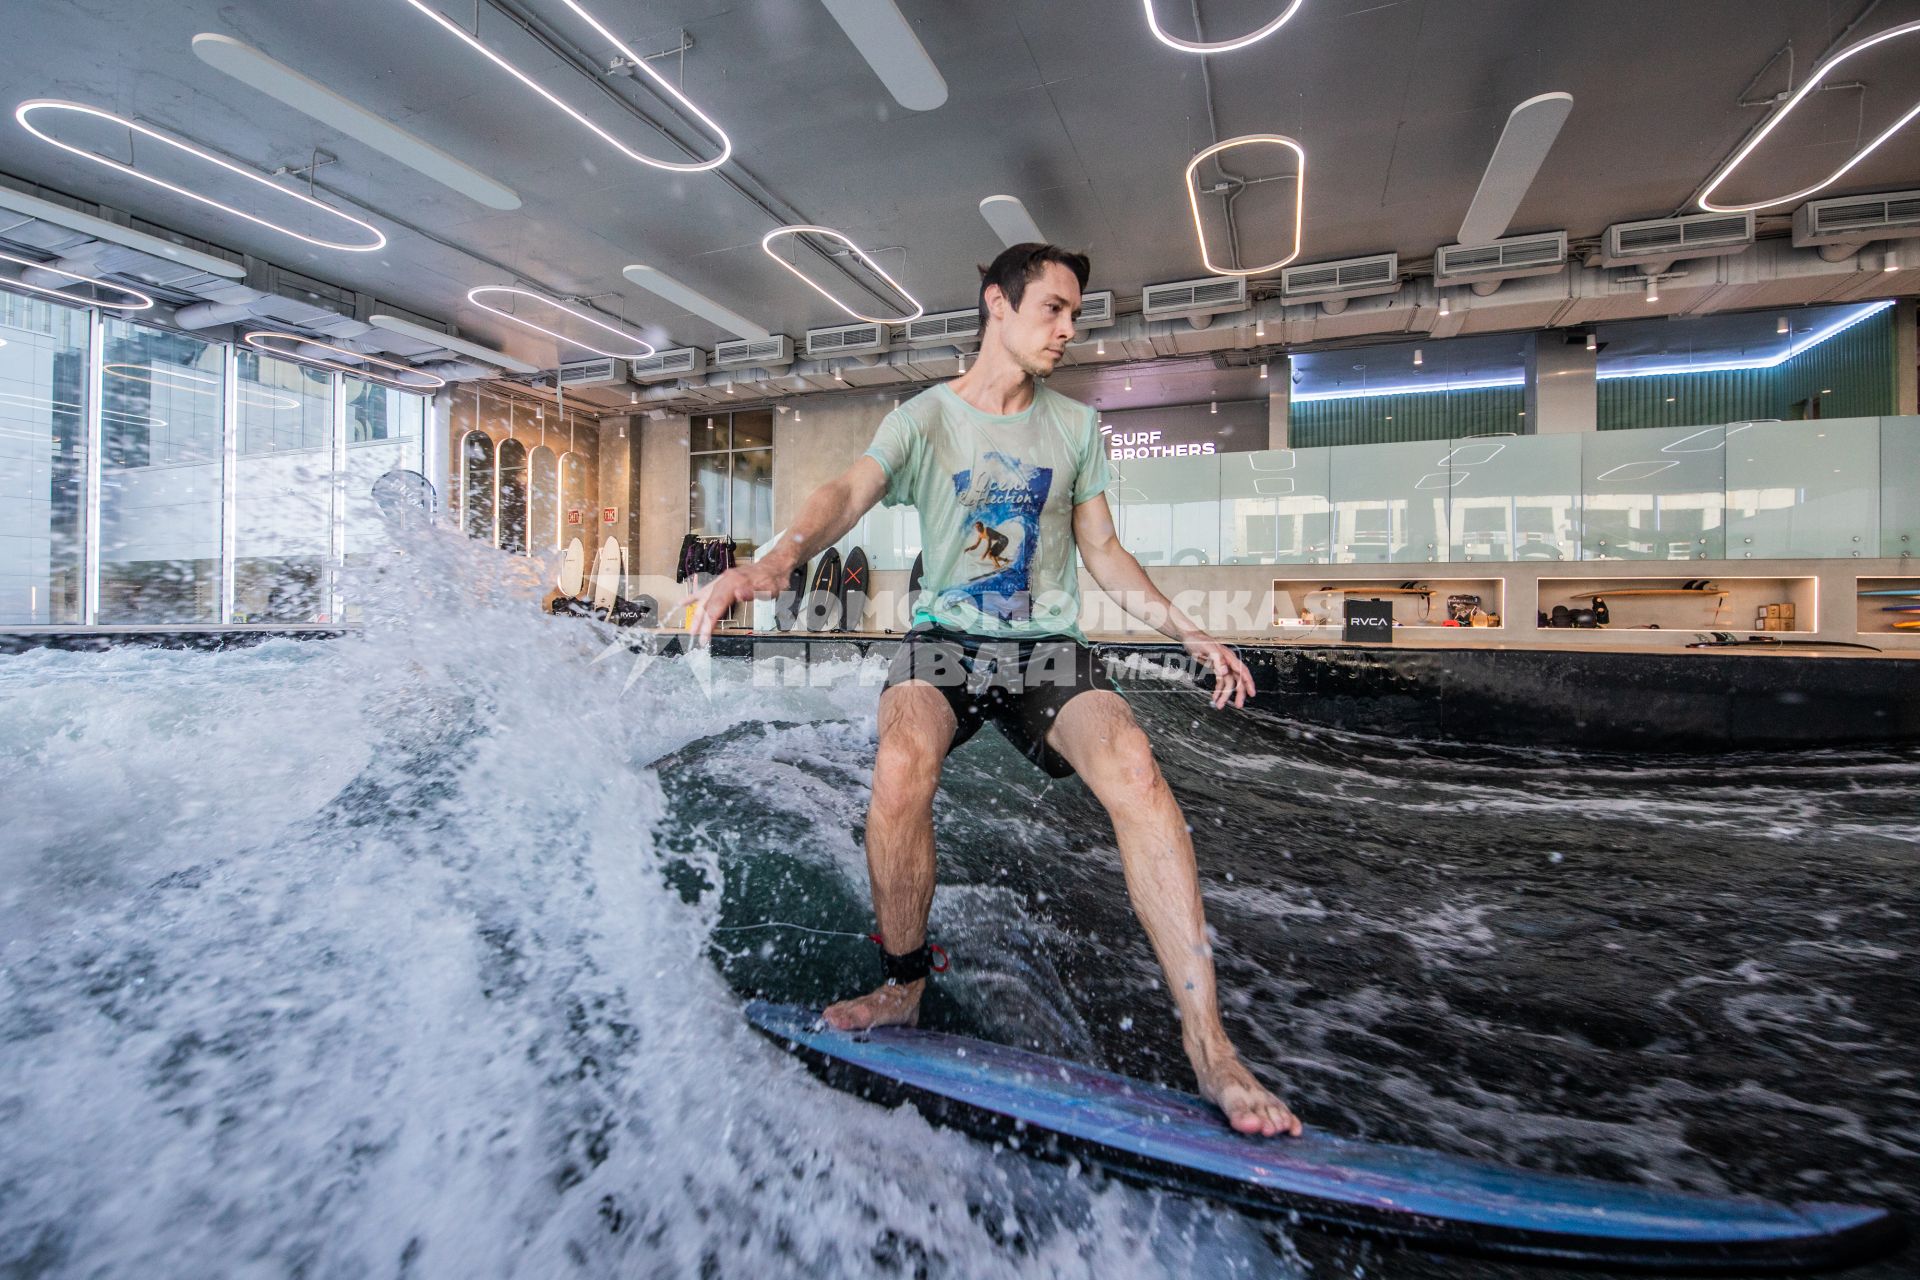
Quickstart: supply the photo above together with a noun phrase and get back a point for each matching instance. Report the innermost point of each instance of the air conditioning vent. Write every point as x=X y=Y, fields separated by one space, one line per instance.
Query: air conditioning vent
x=1705 y=235
x=1210 y=295
x=661 y=365
x=1891 y=215
x=1096 y=310
x=1350 y=278
x=846 y=340
x=764 y=353
x=946 y=328
x=594 y=373
x=1502 y=260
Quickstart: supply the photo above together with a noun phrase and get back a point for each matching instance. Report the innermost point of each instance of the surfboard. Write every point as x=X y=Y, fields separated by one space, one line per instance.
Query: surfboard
x=1900 y=608
x=913 y=578
x=573 y=569
x=820 y=610
x=853 y=590
x=1161 y=1137
x=1894 y=591
x=606 y=576
x=786 y=606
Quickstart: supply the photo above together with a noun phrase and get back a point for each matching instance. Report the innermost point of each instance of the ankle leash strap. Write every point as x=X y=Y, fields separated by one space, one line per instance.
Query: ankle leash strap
x=911 y=966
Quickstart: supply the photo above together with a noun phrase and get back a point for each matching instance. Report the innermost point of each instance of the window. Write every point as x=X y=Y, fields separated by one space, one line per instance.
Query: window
x=730 y=493
x=283 y=491
x=43 y=471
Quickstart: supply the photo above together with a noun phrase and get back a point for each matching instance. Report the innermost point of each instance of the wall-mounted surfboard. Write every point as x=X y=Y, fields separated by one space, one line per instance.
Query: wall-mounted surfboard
x=786 y=606
x=1900 y=608
x=853 y=590
x=820 y=611
x=606 y=576
x=1894 y=591
x=1164 y=1138
x=573 y=569
x=913 y=578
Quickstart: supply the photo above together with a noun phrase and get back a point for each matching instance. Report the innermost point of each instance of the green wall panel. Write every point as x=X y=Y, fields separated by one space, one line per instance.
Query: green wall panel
x=1434 y=416
x=1687 y=399
x=1856 y=365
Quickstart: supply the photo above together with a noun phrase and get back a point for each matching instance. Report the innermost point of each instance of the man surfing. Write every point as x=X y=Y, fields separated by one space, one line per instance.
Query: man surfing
x=998 y=639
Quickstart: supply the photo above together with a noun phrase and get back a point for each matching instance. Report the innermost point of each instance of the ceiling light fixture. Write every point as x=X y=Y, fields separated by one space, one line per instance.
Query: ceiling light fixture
x=963 y=362
x=1892 y=262
x=1813 y=82
x=1653 y=289
x=142 y=302
x=112 y=232
x=474 y=296
x=1218 y=46
x=1213 y=406
x=766 y=243
x=1593 y=342
x=659 y=283
x=1299 y=199
x=1009 y=218
x=660 y=82
x=1529 y=134
x=1100 y=347
x=885 y=39
x=1263 y=369
x=447 y=342
x=311 y=98
x=1129 y=382
x=836 y=374
x=1419 y=357
x=1446 y=307
x=24 y=114
x=1783 y=327
x=261 y=340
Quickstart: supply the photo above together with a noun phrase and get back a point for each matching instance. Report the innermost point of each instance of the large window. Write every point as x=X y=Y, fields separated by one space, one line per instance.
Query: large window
x=730 y=491
x=43 y=443
x=283 y=491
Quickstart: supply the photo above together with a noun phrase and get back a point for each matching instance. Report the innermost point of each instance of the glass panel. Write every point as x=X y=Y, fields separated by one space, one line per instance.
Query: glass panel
x=1899 y=486
x=1274 y=507
x=1169 y=510
x=1389 y=502
x=1514 y=498
x=543 y=499
x=283 y=490
x=1803 y=489
x=753 y=429
x=707 y=494
x=751 y=517
x=476 y=485
x=1656 y=493
x=43 y=473
x=162 y=446
x=708 y=432
x=385 y=430
x=513 y=497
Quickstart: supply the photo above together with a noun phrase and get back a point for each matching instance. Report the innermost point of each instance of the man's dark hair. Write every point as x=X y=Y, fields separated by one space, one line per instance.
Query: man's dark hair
x=1016 y=266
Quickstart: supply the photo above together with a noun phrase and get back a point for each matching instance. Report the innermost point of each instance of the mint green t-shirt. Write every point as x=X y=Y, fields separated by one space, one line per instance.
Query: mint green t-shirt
x=996 y=494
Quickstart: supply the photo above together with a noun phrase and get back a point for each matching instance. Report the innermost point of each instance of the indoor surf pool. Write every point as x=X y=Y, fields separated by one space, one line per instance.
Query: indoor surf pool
x=421 y=952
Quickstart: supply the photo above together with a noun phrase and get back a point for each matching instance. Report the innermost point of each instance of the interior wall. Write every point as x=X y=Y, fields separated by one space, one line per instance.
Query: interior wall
x=827 y=439
x=660 y=495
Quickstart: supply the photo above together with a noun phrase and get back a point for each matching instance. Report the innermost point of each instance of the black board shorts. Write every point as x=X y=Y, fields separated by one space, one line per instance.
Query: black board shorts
x=1019 y=685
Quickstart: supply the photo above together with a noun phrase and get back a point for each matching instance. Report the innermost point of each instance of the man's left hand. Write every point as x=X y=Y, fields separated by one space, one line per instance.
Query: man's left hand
x=1231 y=679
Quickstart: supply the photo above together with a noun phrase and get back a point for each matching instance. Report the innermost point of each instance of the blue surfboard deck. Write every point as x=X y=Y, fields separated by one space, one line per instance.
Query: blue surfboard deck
x=1162 y=1137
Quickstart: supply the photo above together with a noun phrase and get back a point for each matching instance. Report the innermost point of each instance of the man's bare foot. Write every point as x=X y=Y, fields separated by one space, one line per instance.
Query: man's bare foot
x=893 y=1005
x=1249 y=1107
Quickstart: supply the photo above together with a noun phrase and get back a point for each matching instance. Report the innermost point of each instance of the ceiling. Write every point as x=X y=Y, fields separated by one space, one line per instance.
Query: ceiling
x=1070 y=105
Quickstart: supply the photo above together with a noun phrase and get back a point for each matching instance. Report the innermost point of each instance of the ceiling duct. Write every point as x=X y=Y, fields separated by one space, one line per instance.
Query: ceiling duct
x=1484 y=266
x=608 y=371
x=1658 y=244
x=1338 y=281
x=1194 y=300
x=1842 y=227
x=945 y=329
x=1096 y=310
x=679 y=362
x=846 y=340
x=763 y=353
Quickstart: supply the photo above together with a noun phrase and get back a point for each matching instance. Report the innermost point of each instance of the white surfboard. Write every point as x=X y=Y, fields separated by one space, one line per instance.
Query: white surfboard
x=573 y=569
x=606 y=575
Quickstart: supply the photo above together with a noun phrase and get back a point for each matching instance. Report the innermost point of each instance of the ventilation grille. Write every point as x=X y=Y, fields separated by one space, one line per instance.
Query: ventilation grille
x=1189 y=297
x=766 y=353
x=1856 y=215
x=1349 y=278
x=1503 y=259
x=591 y=373
x=1096 y=310
x=846 y=340
x=1708 y=234
x=669 y=364
x=944 y=328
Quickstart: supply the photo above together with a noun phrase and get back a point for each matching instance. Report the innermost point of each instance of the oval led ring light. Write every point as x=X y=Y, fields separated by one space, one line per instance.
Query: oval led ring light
x=1299 y=200
x=24 y=112
x=659 y=82
x=260 y=340
x=142 y=303
x=474 y=295
x=1217 y=46
x=1820 y=73
x=766 y=243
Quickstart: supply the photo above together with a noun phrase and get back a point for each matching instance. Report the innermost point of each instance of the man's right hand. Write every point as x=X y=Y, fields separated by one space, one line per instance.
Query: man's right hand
x=761 y=580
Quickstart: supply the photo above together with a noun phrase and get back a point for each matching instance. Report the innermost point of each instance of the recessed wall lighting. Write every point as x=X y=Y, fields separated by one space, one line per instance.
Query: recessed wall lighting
x=1218 y=46
x=660 y=83
x=623 y=337
x=1812 y=85
x=141 y=301
x=24 y=113
x=263 y=340
x=1299 y=199
x=766 y=244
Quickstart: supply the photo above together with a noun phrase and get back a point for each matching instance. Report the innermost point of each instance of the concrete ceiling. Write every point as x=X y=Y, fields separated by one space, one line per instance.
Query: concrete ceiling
x=1069 y=104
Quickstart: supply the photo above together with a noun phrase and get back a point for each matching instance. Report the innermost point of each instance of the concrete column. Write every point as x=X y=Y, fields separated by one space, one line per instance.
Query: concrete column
x=620 y=483
x=1562 y=396
x=660 y=496
x=1279 y=402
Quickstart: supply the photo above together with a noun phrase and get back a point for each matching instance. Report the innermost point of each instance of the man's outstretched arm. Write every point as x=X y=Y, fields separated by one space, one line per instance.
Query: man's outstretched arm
x=1121 y=577
x=827 y=514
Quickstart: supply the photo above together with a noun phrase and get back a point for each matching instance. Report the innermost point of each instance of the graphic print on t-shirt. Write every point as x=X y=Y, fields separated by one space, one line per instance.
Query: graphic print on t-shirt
x=1000 y=501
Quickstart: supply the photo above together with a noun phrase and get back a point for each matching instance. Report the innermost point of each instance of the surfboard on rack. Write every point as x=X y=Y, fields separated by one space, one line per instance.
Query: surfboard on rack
x=853 y=590
x=820 y=609
x=606 y=576
x=1054 y=1109
x=786 y=606
x=573 y=569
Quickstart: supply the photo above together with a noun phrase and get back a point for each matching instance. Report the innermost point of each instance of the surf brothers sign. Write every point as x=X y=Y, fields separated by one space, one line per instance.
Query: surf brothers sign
x=1185 y=430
